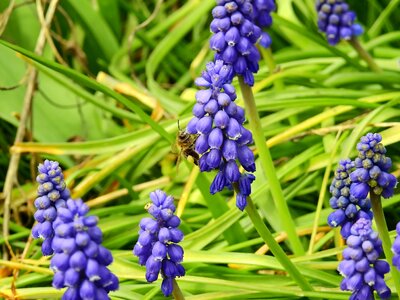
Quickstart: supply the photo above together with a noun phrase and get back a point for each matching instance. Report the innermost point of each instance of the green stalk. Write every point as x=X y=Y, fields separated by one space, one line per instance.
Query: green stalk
x=279 y=85
x=176 y=292
x=276 y=250
x=384 y=235
x=269 y=169
x=269 y=60
x=354 y=42
x=322 y=193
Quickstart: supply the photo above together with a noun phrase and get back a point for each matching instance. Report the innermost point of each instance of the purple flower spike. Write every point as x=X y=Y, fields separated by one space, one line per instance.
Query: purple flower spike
x=236 y=28
x=337 y=21
x=363 y=272
x=396 y=248
x=372 y=169
x=80 y=261
x=223 y=142
x=349 y=207
x=157 y=247
x=52 y=195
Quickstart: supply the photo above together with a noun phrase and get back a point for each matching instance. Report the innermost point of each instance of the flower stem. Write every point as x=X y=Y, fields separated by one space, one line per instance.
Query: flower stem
x=269 y=169
x=176 y=292
x=276 y=250
x=384 y=235
x=269 y=60
x=354 y=42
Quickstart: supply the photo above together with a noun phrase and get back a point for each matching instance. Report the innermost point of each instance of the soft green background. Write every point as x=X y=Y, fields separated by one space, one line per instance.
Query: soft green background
x=117 y=145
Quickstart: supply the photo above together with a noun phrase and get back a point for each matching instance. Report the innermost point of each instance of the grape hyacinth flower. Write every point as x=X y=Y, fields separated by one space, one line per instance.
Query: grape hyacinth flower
x=157 y=246
x=396 y=248
x=336 y=20
x=262 y=17
x=235 y=36
x=372 y=167
x=348 y=209
x=361 y=267
x=80 y=261
x=52 y=194
x=222 y=140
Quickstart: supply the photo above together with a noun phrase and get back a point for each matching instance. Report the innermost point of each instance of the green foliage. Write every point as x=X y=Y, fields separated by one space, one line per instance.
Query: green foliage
x=109 y=113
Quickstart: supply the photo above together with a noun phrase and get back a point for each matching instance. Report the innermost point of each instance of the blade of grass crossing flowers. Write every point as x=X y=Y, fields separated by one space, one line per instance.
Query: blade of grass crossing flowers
x=269 y=169
x=323 y=192
x=118 y=112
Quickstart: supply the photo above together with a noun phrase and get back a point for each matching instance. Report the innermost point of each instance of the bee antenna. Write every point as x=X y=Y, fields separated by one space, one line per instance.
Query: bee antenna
x=179 y=127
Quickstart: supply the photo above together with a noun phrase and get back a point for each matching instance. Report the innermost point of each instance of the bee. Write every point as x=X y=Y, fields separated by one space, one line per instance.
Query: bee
x=186 y=141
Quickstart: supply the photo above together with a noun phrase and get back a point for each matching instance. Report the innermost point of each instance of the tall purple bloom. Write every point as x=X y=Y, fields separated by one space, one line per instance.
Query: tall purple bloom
x=336 y=20
x=52 y=194
x=157 y=246
x=235 y=36
x=372 y=169
x=223 y=142
x=348 y=209
x=396 y=248
x=361 y=268
x=80 y=261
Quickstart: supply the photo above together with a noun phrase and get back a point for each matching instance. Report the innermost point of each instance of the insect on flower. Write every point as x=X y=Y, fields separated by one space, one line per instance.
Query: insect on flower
x=185 y=141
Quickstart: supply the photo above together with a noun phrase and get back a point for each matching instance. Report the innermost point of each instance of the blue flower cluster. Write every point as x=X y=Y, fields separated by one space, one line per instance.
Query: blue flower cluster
x=52 y=194
x=361 y=268
x=372 y=169
x=348 y=209
x=222 y=140
x=80 y=261
x=396 y=248
x=337 y=21
x=262 y=17
x=157 y=246
x=235 y=36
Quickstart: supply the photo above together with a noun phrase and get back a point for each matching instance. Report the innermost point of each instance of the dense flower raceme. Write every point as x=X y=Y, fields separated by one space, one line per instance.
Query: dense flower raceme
x=337 y=21
x=52 y=194
x=262 y=17
x=362 y=270
x=80 y=261
x=235 y=36
x=348 y=209
x=157 y=246
x=396 y=248
x=372 y=169
x=222 y=140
